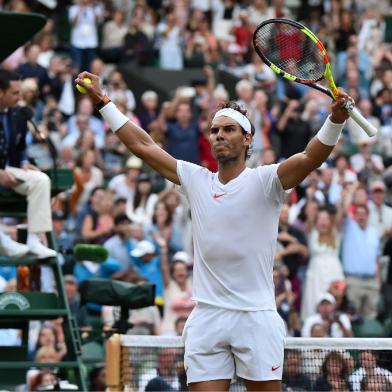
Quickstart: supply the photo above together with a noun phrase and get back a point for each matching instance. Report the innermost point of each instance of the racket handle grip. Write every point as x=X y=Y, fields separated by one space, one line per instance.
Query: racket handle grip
x=356 y=115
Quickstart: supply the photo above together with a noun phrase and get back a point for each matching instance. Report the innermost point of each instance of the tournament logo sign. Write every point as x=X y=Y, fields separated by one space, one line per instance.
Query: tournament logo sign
x=13 y=298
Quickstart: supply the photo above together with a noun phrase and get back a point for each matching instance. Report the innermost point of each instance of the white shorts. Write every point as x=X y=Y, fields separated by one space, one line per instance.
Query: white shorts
x=221 y=344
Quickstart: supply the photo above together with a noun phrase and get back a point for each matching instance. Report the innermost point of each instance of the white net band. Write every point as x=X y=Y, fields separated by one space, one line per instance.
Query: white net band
x=291 y=343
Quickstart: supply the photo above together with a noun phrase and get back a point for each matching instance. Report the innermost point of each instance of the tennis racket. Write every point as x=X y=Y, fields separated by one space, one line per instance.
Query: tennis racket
x=293 y=52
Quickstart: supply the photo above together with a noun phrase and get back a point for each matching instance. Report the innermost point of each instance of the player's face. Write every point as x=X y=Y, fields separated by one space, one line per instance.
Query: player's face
x=227 y=140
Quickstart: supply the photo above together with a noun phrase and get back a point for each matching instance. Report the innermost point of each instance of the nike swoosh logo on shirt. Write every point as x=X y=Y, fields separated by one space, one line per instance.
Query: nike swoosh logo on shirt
x=275 y=368
x=216 y=196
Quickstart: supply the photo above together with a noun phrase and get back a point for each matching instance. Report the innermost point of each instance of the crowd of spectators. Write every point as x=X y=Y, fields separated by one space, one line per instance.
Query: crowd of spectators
x=332 y=268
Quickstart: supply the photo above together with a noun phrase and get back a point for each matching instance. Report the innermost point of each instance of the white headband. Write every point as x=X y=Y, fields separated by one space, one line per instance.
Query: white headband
x=236 y=116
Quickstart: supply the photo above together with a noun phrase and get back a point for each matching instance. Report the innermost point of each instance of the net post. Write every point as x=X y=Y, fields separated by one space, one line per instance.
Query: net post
x=113 y=363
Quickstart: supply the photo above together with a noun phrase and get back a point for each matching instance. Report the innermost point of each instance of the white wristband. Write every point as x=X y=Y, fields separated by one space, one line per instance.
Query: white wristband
x=330 y=132
x=113 y=116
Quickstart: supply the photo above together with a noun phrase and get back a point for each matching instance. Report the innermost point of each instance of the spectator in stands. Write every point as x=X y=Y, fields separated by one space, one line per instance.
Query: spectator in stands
x=182 y=134
x=365 y=106
x=376 y=382
x=113 y=33
x=164 y=377
x=337 y=324
x=71 y=291
x=117 y=88
x=294 y=251
x=85 y=143
x=331 y=191
x=179 y=325
x=178 y=290
x=44 y=378
x=85 y=106
x=360 y=252
x=366 y=164
x=170 y=42
x=368 y=367
x=97 y=228
x=284 y=296
x=47 y=43
x=84 y=17
x=141 y=209
x=295 y=133
x=87 y=176
x=121 y=243
x=380 y=214
x=324 y=263
x=124 y=185
x=338 y=289
x=120 y=206
x=293 y=378
x=18 y=174
x=30 y=97
x=233 y=59
x=163 y=226
x=342 y=173
x=51 y=336
x=259 y=11
x=90 y=208
x=335 y=372
x=148 y=265
x=149 y=100
x=81 y=126
x=97 y=379
x=262 y=121
x=31 y=69
x=112 y=156
x=64 y=235
x=312 y=359
x=138 y=47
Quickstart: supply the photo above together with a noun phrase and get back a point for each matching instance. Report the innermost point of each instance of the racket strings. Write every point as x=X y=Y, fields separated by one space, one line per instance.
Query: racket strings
x=290 y=50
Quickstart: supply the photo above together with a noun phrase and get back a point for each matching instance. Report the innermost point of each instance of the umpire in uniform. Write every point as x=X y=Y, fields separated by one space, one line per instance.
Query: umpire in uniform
x=15 y=170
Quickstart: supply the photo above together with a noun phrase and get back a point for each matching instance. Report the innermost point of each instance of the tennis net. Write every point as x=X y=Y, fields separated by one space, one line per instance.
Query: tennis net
x=137 y=363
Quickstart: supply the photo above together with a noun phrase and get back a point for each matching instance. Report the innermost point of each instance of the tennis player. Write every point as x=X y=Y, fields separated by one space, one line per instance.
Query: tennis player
x=235 y=329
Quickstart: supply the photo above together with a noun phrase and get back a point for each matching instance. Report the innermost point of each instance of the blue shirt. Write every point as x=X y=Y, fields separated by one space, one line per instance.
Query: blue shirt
x=183 y=143
x=361 y=249
x=150 y=270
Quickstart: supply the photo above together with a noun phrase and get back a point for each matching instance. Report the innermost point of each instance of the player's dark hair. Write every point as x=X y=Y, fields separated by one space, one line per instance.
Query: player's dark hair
x=234 y=105
x=6 y=77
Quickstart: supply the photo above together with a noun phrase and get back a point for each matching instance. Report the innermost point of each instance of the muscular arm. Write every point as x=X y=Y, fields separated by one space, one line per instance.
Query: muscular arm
x=294 y=170
x=140 y=143
x=136 y=139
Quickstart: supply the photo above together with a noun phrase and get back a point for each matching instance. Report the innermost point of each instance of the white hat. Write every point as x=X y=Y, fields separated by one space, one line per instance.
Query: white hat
x=327 y=297
x=187 y=92
x=143 y=248
x=148 y=95
x=134 y=163
x=182 y=256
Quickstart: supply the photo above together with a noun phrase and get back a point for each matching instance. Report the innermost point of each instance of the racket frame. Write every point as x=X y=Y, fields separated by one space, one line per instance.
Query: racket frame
x=332 y=92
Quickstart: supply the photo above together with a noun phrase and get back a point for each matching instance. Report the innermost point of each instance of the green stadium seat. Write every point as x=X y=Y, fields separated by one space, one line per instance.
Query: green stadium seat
x=370 y=329
x=92 y=352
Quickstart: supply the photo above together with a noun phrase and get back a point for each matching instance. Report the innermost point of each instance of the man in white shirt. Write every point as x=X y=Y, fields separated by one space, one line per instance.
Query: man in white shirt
x=380 y=215
x=338 y=325
x=368 y=361
x=235 y=329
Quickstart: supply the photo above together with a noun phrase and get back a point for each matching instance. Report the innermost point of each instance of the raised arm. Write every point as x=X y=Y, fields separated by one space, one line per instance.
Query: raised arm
x=293 y=171
x=136 y=139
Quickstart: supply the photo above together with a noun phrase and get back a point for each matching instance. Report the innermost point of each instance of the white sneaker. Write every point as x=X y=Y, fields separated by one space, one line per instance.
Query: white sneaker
x=38 y=249
x=11 y=248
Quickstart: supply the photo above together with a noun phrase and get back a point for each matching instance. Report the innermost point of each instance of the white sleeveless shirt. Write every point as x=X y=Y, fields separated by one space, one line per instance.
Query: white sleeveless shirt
x=235 y=226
